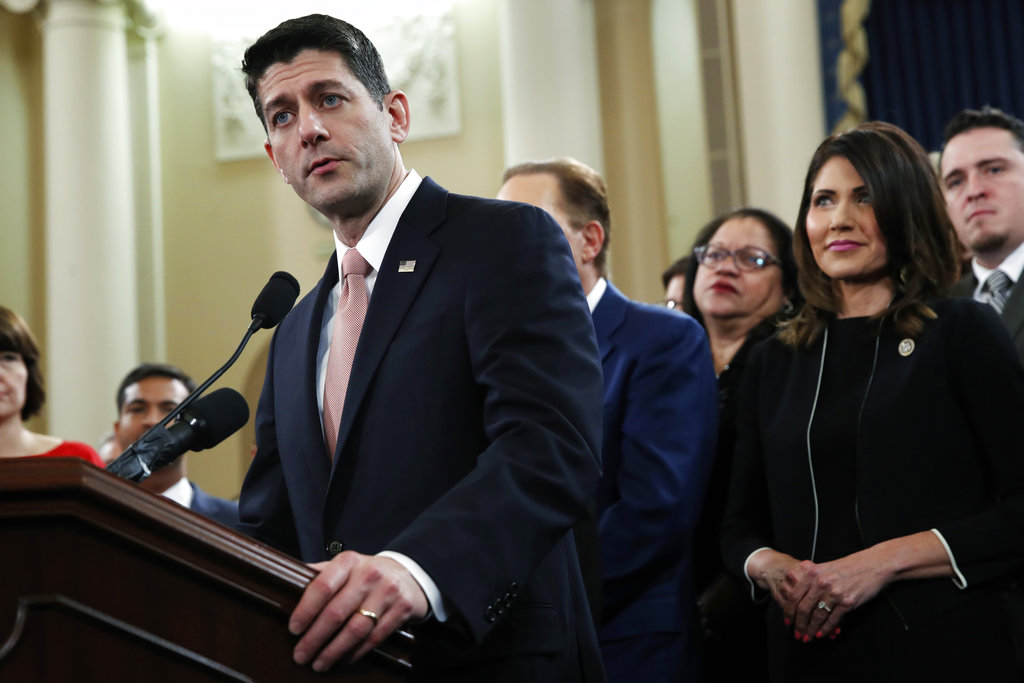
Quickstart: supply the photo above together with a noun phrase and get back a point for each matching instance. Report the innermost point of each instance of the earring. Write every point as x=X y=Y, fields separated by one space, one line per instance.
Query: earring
x=904 y=275
x=787 y=307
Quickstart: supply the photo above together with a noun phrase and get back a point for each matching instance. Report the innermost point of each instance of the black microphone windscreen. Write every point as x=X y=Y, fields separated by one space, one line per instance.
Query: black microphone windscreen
x=276 y=299
x=222 y=412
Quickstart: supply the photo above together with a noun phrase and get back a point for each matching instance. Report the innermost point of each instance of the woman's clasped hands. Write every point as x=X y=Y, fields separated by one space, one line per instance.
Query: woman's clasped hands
x=815 y=597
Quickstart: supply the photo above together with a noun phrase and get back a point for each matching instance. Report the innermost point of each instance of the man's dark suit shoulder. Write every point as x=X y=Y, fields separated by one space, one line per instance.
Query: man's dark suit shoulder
x=218 y=509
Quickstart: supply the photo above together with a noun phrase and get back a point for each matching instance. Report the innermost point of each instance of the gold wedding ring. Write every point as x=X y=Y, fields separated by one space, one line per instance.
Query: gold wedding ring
x=373 y=615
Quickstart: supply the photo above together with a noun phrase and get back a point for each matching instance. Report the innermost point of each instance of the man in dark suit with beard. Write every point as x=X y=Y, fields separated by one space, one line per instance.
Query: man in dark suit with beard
x=429 y=426
x=982 y=176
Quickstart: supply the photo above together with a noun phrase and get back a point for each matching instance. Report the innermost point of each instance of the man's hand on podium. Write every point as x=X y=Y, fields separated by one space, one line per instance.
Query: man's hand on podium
x=352 y=606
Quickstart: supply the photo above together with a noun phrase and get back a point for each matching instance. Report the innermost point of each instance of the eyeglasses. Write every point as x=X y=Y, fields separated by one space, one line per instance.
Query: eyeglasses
x=747 y=258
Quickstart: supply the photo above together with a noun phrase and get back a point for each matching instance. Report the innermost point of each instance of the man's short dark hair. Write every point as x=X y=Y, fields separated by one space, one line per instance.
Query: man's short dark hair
x=147 y=370
x=986 y=117
x=584 y=195
x=315 y=32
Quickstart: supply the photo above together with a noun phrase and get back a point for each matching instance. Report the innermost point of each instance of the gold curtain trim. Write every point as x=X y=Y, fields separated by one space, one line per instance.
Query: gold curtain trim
x=851 y=62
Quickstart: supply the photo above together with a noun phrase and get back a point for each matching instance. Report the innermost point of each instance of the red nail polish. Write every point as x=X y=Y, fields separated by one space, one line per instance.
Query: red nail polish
x=807 y=639
x=785 y=620
x=818 y=635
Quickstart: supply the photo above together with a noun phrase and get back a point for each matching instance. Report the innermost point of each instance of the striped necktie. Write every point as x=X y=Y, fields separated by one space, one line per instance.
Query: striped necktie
x=998 y=287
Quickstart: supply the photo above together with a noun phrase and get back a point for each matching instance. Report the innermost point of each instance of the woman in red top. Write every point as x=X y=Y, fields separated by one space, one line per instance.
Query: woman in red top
x=22 y=395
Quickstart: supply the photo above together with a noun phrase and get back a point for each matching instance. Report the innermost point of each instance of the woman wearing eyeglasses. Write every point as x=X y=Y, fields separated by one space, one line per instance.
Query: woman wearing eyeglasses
x=740 y=283
x=877 y=493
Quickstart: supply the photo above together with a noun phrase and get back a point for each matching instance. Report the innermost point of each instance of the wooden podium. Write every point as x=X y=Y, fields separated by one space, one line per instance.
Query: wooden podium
x=102 y=581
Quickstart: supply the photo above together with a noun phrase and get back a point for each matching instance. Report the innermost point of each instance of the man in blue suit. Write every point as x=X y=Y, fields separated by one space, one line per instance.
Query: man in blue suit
x=467 y=443
x=146 y=394
x=660 y=423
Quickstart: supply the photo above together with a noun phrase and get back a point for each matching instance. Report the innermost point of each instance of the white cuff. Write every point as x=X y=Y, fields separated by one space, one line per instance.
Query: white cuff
x=423 y=579
x=753 y=586
x=958 y=579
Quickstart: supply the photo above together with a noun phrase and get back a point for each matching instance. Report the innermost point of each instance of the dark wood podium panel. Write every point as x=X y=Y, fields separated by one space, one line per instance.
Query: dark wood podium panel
x=104 y=581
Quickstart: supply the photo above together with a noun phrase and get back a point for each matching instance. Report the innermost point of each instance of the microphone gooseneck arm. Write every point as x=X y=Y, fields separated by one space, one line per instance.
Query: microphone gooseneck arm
x=181 y=407
x=273 y=303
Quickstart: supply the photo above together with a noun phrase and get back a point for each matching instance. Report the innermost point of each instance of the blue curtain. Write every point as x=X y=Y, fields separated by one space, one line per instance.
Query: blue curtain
x=831 y=41
x=928 y=59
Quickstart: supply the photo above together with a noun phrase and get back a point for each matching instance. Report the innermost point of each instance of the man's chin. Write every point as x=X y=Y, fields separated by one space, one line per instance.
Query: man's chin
x=987 y=244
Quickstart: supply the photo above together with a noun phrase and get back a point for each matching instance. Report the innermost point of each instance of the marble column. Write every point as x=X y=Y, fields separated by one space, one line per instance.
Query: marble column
x=551 y=104
x=92 y=305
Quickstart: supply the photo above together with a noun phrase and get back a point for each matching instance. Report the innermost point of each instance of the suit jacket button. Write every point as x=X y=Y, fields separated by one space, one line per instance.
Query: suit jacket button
x=335 y=547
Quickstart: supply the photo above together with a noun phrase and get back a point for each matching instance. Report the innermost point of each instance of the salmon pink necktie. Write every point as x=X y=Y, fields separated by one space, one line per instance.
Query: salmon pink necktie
x=348 y=323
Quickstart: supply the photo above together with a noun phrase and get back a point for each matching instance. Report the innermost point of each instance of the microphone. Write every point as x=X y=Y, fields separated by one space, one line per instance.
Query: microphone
x=271 y=306
x=274 y=302
x=210 y=420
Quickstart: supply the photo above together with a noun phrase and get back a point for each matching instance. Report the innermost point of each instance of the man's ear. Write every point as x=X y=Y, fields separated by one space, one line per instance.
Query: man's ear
x=396 y=104
x=593 y=240
x=117 y=434
x=270 y=153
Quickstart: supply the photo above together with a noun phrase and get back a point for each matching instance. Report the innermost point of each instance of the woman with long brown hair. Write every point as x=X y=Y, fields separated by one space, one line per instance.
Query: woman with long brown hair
x=878 y=491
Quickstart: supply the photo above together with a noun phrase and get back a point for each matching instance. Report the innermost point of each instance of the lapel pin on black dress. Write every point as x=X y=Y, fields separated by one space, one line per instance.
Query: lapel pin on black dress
x=906 y=347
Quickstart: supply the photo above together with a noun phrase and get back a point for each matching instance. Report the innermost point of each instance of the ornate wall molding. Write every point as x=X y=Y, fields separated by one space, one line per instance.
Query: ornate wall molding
x=420 y=57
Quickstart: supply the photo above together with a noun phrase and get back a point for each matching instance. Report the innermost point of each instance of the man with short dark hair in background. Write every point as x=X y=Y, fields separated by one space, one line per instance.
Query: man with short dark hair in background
x=982 y=175
x=660 y=425
x=146 y=395
x=429 y=426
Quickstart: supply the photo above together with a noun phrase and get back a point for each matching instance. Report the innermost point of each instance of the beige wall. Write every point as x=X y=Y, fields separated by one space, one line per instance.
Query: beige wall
x=229 y=225
x=20 y=68
x=633 y=169
x=781 y=104
x=22 y=261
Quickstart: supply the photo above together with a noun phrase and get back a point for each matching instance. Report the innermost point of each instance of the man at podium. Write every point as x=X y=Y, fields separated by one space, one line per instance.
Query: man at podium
x=430 y=421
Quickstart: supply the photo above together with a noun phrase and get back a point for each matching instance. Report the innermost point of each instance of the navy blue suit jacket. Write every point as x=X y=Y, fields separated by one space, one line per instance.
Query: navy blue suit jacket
x=660 y=427
x=219 y=509
x=469 y=440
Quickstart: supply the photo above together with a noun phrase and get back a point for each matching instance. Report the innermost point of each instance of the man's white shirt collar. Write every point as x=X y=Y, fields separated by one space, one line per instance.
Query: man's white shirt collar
x=1012 y=266
x=595 y=294
x=180 y=492
x=372 y=246
x=374 y=242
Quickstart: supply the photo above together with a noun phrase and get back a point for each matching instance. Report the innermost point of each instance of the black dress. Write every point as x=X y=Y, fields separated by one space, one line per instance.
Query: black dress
x=731 y=622
x=904 y=634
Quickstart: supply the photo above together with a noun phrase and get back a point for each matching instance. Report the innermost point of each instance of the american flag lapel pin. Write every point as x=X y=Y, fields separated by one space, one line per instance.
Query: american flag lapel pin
x=407 y=266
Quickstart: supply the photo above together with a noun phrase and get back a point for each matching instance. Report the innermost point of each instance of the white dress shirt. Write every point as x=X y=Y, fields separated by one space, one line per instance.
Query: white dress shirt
x=1011 y=266
x=596 y=292
x=372 y=246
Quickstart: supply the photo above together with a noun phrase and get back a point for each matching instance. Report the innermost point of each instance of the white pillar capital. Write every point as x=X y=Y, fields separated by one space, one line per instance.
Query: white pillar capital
x=19 y=6
x=144 y=17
